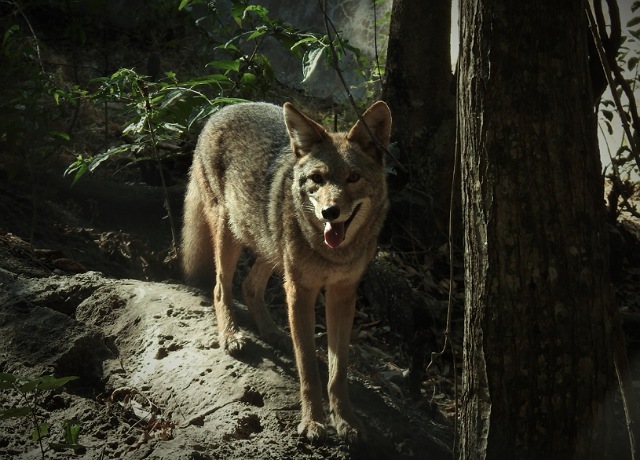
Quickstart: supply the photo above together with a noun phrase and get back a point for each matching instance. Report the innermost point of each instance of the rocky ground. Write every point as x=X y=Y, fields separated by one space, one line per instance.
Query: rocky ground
x=153 y=382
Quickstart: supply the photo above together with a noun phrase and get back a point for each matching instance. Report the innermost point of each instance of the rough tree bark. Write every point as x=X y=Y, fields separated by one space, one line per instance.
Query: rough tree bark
x=418 y=89
x=540 y=318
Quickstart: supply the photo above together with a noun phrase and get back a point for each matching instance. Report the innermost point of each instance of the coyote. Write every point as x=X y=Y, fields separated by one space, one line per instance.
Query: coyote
x=309 y=204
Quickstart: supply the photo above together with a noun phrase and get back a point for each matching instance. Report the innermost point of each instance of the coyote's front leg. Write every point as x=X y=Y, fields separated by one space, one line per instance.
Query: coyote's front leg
x=340 y=309
x=301 y=302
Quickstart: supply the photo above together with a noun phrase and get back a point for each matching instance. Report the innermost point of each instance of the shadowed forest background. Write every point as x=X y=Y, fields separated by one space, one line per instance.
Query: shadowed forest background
x=101 y=105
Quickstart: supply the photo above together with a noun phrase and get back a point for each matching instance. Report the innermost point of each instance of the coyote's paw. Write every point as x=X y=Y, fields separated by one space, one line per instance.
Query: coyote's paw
x=350 y=431
x=312 y=430
x=232 y=342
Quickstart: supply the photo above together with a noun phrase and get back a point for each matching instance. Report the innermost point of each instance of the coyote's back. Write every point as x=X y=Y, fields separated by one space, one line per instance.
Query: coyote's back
x=311 y=205
x=238 y=147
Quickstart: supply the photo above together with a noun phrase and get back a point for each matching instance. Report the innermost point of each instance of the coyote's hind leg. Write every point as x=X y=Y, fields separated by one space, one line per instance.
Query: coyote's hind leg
x=253 y=289
x=226 y=251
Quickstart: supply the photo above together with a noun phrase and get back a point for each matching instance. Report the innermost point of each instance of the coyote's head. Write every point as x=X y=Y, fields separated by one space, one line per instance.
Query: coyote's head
x=340 y=177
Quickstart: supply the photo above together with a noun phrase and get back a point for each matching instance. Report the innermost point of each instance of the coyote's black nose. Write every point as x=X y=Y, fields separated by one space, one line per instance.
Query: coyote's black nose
x=331 y=212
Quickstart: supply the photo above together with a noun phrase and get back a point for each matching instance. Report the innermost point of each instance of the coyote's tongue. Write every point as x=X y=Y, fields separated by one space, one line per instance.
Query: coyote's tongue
x=333 y=234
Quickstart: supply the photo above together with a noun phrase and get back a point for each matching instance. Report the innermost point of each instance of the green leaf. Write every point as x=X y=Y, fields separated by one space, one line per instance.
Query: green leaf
x=136 y=127
x=635 y=6
x=225 y=65
x=207 y=80
x=171 y=97
x=79 y=167
x=261 y=11
x=71 y=431
x=228 y=100
x=29 y=386
x=632 y=63
x=199 y=113
x=305 y=41
x=173 y=127
x=237 y=12
x=608 y=114
x=633 y=22
x=9 y=378
x=609 y=128
x=97 y=160
x=228 y=46
x=14 y=412
x=248 y=79
x=41 y=431
x=310 y=61
x=49 y=382
x=60 y=134
x=10 y=31
x=183 y=4
x=259 y=32
x=622 y=150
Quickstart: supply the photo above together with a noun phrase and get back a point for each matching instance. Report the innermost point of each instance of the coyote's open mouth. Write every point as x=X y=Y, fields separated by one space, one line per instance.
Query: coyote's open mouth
x=334 y=232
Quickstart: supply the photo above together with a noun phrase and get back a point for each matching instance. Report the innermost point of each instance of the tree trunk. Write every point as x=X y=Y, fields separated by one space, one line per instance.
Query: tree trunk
x=418 y=89
x=538 y=376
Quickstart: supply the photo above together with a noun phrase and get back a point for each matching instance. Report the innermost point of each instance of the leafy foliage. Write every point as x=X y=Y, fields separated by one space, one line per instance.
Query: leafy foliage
x=157 y=111
x=166 y=107
x=30 y=389
x=622 y=160
x=171 y=109
x=620 y=117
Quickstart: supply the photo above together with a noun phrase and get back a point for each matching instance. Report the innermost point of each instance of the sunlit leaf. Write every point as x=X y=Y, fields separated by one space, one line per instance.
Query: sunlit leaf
x=225 y=65
x=248 y=78
x=80 y=166
x=259 y=10
x=259 y=32
x=71 y=431
x=41 y=431
x=61 y=135
x=304 y=41
x=228 y=100
x=237 y=13
x=171 y=97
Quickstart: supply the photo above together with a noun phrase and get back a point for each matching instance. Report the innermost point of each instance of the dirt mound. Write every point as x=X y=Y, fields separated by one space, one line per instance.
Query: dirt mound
x=154 y=383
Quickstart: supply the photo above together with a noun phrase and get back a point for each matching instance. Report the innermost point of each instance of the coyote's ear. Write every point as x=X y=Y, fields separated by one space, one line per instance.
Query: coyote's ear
x=377 y=119
x=303 y=131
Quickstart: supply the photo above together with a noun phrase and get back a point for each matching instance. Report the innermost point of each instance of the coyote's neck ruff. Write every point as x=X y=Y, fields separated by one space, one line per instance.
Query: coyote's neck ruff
x=308 y=203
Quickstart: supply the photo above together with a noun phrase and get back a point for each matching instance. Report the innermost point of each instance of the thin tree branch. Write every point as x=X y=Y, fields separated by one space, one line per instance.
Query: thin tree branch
x=154 y=147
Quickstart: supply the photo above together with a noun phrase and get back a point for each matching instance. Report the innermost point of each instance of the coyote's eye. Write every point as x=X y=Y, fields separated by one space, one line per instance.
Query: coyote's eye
x=353 y=177
x=317 y=178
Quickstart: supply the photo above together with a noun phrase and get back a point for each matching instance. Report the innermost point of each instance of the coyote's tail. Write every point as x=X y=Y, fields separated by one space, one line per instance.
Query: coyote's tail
x=196 y=251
